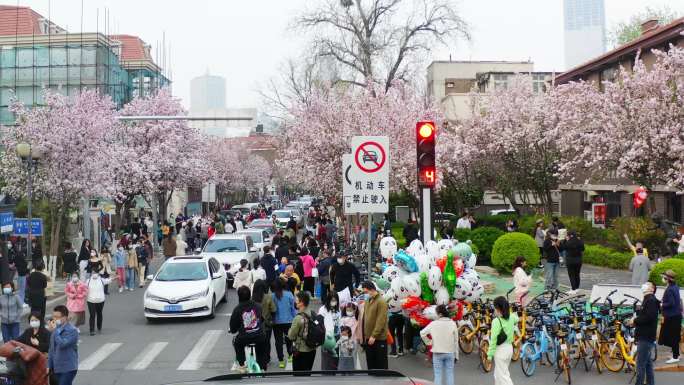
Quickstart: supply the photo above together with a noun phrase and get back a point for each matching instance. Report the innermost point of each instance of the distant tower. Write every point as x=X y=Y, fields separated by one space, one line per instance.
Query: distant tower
x=207 y=92
x=585 y=30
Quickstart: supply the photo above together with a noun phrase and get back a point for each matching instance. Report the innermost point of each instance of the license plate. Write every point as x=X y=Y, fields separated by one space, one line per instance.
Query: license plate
x=579 y=336
x=173 y=308
x=594 y=337
x=564 y=347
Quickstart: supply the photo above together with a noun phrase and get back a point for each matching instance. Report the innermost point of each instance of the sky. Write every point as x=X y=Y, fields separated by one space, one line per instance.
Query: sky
x=246 y=41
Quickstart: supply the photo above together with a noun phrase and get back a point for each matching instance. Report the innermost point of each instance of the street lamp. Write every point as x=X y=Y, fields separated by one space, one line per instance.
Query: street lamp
x=30 y=157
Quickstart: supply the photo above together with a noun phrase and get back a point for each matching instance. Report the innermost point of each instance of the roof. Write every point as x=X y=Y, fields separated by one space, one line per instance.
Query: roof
x=132 y=47
x=651 y=39
x=478 y=62
x=19 y=21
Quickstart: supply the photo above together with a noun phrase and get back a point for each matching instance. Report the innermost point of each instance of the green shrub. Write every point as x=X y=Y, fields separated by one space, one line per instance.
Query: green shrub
x=603 y=256
x=528 y=223
x=679 y=256
x=498 y=221
x=397 y=234
x=463 y=234
x=511 y=245
x=676 y=265
x=583 y=227
x=476 y=251
x=638 y=229
x=484 y=238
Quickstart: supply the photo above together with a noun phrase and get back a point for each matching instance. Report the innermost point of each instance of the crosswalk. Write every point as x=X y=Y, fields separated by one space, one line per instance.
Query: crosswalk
x=202 y=354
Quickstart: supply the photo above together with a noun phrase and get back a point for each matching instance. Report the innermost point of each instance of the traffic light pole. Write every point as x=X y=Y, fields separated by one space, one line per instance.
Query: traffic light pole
x=426 y=214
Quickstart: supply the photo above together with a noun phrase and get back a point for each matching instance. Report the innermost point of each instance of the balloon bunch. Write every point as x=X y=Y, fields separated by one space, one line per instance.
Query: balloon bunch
x=424 y=276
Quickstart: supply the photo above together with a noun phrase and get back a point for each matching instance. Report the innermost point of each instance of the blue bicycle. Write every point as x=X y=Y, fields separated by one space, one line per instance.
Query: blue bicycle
x=538 y=345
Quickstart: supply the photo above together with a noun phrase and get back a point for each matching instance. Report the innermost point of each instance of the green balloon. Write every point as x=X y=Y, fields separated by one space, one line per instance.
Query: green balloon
x=449 y=275
x=425 y=292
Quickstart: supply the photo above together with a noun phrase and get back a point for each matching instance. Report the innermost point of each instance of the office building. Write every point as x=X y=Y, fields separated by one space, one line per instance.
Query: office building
x=207 y=92
x=584 y=24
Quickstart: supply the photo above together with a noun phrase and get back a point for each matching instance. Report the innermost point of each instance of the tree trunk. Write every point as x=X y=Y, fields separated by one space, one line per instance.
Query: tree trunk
x=57 y=217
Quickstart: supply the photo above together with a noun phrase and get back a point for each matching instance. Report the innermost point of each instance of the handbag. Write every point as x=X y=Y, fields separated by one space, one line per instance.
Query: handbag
x=502 y=336
x=314 y=273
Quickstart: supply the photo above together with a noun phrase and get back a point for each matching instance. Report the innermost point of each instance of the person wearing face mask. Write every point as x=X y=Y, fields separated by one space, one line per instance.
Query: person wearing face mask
x=374 y=327
x=282 y=319
x=36 y=335
x=10 y=311
x=671 y=331
x=646 y=322
x=36 y=284
x=76 y=293
x=443 y=334
x=119 y=261
x=344 y=275
x=96 y=299
x=303 y=356
x=332 y=318
x=640 y=266
x=505 y=322
x=83 y=257
x=63 y=350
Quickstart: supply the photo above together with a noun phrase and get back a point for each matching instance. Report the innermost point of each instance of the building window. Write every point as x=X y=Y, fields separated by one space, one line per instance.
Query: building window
x=539 y=83
x=500 y=81
x=607 y=75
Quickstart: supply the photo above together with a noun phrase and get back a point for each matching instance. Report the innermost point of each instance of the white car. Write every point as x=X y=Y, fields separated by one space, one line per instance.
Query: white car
x=186 y=287
x=229 y=249
x=282 y=217
x=260 y=237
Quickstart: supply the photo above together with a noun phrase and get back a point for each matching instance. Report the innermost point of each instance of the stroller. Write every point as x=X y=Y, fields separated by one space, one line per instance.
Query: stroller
x=23 y=365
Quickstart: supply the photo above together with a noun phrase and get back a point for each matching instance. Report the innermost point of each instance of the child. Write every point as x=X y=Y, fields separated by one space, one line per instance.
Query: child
x=11 y=307
x=346 y=347
x=244 y=276
x=283 y=264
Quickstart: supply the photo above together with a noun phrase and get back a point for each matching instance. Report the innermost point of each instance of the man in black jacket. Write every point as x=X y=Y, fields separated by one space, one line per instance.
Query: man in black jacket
x=269 y=263
x=247 y=322
x=646 y=323
x=574 y=249
x=552 y=252
x=344 y=274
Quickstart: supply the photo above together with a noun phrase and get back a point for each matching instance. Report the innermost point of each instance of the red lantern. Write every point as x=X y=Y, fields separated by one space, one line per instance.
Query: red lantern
x=640 y=196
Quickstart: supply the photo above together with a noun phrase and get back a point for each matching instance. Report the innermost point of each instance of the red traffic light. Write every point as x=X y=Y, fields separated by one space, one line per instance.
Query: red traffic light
x=425 y=154
x=425 y=129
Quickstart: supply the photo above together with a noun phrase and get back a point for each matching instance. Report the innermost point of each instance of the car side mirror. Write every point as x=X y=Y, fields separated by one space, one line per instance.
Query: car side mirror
x=215 y=276
x=252 y=249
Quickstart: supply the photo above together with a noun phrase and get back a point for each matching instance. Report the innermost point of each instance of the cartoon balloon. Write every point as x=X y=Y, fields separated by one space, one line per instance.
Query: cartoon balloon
x=405 y=262
x=444 y=246
x=415 y=248
x=449 y=275
x=442 y=296
x=478 y=291
x=471 y=276
x=425 y=291
x=397 y=286
x=423 y=262
x=388 y=247
x=430 y=312
x=432 y=249
x=411 y=283
x=390 y=273
x=462 y=289
x=435 y=278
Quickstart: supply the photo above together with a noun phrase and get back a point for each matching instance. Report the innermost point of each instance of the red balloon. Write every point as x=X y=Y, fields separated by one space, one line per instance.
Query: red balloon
x=414 y=304
x=458 y=267
x=441 y=263
x=419 y=319
x=640 y=196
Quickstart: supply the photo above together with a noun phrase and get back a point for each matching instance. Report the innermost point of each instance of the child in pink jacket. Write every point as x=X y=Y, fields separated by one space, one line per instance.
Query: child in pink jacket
x=76 y=293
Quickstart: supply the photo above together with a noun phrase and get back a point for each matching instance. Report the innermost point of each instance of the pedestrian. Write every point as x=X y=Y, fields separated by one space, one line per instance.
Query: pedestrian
x=521 y=281
x=169 y=246
x=464 y=221
x=282 y=320
x=308 y=264
x=325 y=261
x=374 y=327
x=10 y=311
x=243 y=277
x=410 y=233
x=261 y=296
x=574 y=249
x=443 y=334
x=289 y=273
x=501 y=348
x=141 y=253
x=36 y=253
x=36 y=284
x=511 y=225
x=69 y=260
x=396 y=329
x=83 y=257
x=247 y=323
x=303 y=356
x=211 y=230
x=331 y=231
x=190 y=235
x=539 y=237
x=637 y=247
x=552 y=252
x=22 y=274
x=63 y=351
x=671 y=330
x=94 y=263
x=640 y=266
x=344 y=275
x=106 y=258
x=181 y=245
x=76 y=293
x=95 y=299
x=131 y=267
x=332 y=317
x=120 y=258
x=149 y=251
x=36 y=335
x=646 y=322
x=346 y=349
x=269 y=264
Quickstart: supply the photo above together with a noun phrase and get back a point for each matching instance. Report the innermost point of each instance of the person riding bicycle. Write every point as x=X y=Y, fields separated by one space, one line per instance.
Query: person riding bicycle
x=247 y=322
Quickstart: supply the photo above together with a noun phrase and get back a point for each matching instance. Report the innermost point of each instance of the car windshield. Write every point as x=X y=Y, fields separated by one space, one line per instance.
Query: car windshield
x=261 y=222
x=195 y=271
x=282 y=214
x=256 y=236
x=225 y=246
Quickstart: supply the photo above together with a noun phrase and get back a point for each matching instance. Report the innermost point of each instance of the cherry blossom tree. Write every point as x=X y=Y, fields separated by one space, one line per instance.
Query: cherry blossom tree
x=320 y=131
x=74 y=135
x=256 y=174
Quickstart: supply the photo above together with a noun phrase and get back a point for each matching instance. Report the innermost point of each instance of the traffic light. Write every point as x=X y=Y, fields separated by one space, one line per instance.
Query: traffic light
x=425 y=150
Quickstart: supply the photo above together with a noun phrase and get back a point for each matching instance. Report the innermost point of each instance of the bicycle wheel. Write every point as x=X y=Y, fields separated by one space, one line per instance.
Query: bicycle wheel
x=552 y=353
x=611 y=357
x=465 y=342
x=527 y=362
x=565 y=362
x=484 y=360
x=596 y=356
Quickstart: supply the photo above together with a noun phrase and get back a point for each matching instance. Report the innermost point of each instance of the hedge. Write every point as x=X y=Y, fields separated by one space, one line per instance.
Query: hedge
x=603 y=256
x=677 y=265
x=509 y=246
x=484 y=238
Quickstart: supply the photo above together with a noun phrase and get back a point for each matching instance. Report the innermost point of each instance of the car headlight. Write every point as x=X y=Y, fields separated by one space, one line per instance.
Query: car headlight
x=153 y=297
x=196 y=296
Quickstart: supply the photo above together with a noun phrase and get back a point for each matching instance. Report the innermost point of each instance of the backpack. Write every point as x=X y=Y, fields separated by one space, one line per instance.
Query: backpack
x=314 y=330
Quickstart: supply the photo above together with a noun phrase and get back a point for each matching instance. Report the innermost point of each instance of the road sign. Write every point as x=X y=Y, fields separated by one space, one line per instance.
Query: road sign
x=21 y=227
x=6 y=222
x=365 y=175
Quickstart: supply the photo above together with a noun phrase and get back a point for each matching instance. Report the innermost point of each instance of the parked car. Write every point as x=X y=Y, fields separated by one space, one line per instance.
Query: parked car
x=445 y=217
x=229 y=249
x=186 y=287
x=260 y=237
x=352 y=377
x=265 y=224
x=282 y=217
